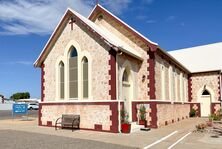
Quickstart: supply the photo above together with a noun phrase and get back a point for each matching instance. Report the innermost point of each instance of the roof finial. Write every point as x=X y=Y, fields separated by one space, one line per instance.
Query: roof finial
x=97 y=2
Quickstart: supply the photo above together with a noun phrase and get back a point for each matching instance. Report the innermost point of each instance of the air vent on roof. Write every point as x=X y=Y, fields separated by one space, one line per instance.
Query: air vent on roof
x=100 y=17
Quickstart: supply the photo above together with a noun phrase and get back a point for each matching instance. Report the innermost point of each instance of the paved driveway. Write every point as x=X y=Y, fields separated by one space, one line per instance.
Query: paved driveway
x=10 y=139
x=30 y=134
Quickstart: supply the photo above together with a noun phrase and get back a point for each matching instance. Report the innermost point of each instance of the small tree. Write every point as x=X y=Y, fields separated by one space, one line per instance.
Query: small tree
x=20 y=95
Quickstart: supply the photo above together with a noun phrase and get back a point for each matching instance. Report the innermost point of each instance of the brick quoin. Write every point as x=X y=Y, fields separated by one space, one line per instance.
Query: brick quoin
x=151 y=76
x=189 y=88
x=42 y=82
x=112 y=73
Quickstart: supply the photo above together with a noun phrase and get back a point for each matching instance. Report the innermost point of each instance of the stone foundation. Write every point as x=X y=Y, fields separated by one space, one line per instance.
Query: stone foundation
x=161 y=113
x=100 y=116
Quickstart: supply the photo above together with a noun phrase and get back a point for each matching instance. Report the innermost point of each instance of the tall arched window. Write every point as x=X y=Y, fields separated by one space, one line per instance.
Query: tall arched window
x=85 y=78
x=73 y=73
x=162 y=82
x=61 y=81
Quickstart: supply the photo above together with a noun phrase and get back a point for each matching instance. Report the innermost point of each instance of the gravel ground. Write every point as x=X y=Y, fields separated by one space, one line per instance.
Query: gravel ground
x=10 y=139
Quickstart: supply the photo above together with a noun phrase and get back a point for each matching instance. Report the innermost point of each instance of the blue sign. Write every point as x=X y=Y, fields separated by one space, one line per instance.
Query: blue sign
x=20 y=108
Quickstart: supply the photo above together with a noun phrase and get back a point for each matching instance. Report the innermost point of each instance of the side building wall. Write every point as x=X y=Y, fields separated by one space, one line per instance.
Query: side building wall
x=209 y=81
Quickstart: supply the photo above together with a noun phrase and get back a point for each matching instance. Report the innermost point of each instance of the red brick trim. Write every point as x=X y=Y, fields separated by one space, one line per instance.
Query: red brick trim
x=189 y=88
x=153 y=115
x=213 y=111
x=98 y=127
x=113 y=117
x=151 y=76
x=40 y=114
x=49 y=123
x=219 y=86
x=198 y=110
x=42 y=82
x=112 y=73
x=134 y=111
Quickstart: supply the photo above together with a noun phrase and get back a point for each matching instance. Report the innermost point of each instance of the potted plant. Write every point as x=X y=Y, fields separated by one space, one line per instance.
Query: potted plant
x=125 y=125
x=192 y=113
x=210 y=122
x=142 y=116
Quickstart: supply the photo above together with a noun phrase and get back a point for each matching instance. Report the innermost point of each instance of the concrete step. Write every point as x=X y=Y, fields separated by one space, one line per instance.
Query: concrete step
x=135 y=127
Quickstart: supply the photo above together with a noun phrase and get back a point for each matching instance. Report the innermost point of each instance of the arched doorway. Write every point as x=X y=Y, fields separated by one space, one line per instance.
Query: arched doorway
x=205 y=100
x=127 y=91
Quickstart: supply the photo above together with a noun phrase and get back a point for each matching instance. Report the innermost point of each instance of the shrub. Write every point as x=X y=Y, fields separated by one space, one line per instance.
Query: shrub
x=214 y=117
x=142 y=112
x=201 y=127
x=192 y=113
x=124 y=117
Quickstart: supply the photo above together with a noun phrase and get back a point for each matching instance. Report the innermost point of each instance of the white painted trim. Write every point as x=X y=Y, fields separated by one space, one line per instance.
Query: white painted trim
x=60 y=59
x=89 y=58
x=170 y=82
x=163 y=80
x=181 y=98
x=78 y=101
x=199 y=93
x=160 y=140
x=66 y=55
x=133 y=82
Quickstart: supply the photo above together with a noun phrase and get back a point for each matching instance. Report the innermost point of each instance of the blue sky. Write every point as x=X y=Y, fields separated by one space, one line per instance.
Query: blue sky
x=25 y=26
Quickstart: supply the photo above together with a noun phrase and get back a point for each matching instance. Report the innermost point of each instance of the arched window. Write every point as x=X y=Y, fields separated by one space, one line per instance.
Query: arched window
x=125 y=76
x=162 y=81
x=206 y=93
x=85 y=78
x=73 y=73
x=61 y=81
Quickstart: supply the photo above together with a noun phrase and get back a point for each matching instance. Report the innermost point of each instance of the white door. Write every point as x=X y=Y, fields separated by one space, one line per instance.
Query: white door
x=205 y=105
x=126 y=92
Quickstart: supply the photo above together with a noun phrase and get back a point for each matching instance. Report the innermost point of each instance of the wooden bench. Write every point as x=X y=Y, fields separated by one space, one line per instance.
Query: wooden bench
x=68 y=121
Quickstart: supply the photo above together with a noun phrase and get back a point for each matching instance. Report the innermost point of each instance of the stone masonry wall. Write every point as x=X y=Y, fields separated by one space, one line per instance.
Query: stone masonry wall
x=139 y=69
x=90 y=115
x=170 y=113
x=122 y=33
x=158 y=86
x=211 y=80
x=87 y=42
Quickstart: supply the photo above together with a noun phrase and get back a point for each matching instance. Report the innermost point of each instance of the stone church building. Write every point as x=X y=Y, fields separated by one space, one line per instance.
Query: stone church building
x=96 y=66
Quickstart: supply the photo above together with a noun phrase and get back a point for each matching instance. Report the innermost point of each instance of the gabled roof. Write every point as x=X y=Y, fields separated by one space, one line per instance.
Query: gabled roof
x=98 y=8
x=201 y=58
x=109 y=38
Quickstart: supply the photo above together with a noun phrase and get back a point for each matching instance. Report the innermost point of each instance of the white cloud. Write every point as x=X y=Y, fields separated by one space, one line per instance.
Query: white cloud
x=170 y=18
x=150 y=21
x=23 y=62
x=116 y=6
x=19 y=62
x=41 y=16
